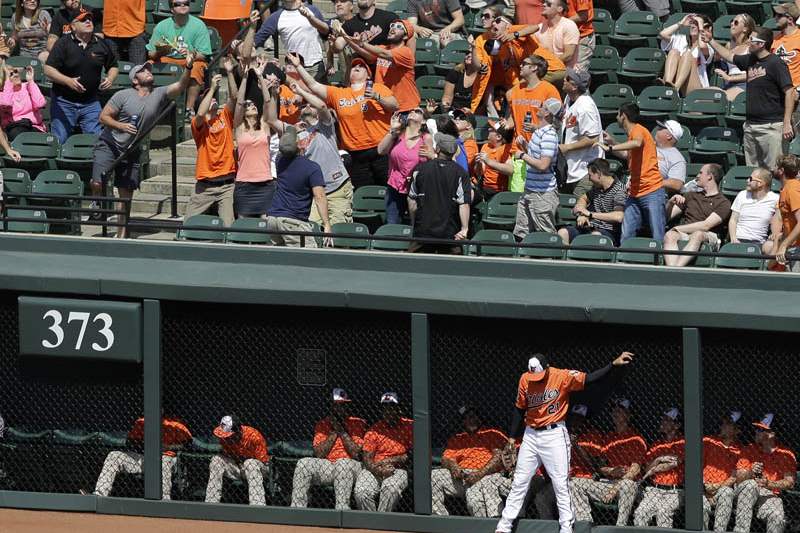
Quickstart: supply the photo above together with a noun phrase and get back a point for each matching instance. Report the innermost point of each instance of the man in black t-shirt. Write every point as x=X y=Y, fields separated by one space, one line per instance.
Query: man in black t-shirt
x=436 y=200
x=371 y=21
x=64 y=15
x=770 y=98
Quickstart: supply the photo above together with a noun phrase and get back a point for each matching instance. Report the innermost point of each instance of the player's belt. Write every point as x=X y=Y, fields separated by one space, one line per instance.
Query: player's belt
x=667 y=487
x=543 y=428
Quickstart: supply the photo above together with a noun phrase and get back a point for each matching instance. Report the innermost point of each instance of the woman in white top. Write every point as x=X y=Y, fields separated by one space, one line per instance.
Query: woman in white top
x=742 y=26
x=687 y=56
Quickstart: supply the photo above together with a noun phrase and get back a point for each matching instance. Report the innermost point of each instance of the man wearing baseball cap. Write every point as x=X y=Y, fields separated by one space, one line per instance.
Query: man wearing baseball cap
x=786 y=44
x=763 y=471
x=582 y=128
x=337 y=452
x=385 y=456
x=244 y=456
x=126 y=114
x=720 y=454
x=671 y=163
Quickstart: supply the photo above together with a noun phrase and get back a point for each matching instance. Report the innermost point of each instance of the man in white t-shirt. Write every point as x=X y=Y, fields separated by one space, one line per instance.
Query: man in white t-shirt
x=671 y=163
x=581 y=129
x=755 y=212
x=558 y=33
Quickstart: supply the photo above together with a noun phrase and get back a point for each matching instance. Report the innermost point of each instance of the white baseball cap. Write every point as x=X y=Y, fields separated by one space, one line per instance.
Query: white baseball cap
x=552 y=106
x=340 y=396
x=674 y=413
x=622 y=402
x=673 y=127
x=734 y=416
x=390 y=397
x=227 y=427
x=538 y=365
x=580 y=409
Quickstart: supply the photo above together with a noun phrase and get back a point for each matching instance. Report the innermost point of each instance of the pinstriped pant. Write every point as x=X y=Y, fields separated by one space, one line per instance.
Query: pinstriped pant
x=584 y=489
x=658 y=503
x=443 y=484
x=132 y=463
x=722 y=501
x=250 y=470
x=768 y=507
x=315 y=471
x=387 y=491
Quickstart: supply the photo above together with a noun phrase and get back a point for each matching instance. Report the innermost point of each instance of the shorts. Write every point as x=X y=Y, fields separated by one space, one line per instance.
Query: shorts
x=574 y=231
x=126 y=175
x=198 y=67
x=709 y=237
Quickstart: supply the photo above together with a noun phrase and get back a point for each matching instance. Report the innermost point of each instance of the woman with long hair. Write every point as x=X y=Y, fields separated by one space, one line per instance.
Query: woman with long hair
x=687 y=56
x=31 y=27
x=21 y=103
x=403 y=143
x=735 y=79
x=255 y=185
x=458 y=85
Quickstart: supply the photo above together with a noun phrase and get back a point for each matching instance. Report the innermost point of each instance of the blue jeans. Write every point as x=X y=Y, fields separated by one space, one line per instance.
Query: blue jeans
x=65 y=115
x=396 y=206
x=653 y=207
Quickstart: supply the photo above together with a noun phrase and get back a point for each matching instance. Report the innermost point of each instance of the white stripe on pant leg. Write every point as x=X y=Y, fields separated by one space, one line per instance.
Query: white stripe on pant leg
x=527 y=464
x=555 y=449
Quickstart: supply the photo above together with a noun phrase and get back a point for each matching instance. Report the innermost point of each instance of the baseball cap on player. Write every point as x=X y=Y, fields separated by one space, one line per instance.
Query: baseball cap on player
x=673 y=413
x=538 y=365
x=580 y=409
x=767 y=423
x=622 y=402
x=465 y=410
x=734 y=416
x=340 y=396
x=390 y=398
x=227 y=427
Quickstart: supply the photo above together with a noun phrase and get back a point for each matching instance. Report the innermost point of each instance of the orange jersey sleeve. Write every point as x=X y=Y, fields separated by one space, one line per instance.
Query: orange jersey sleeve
x=575 y=6
x=591 y=445
x=547 y=400
x=362 y=123
x=474 y=451
x=625 y=449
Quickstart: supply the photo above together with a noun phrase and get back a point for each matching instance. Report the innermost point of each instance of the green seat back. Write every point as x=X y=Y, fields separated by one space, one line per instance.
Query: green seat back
x=735 y=180
x=369 y=204
x=493 y=236
x=398 y=7
x=79 y=147
x=722 y=27
x=754 y=263
x=658 y=100
x=716 y=139
x=644 y=61
x=503 y=206
x=16 y=181
x=603 y=22
x=705 y=102
x=624 y=255
x=430 y=87
x=33 y=222
x=63 y=182
x=427 y=51
x=604 y=60
x=166 y=73
x=190 y=231
x=604 y=248
x=550 y=246
x=391 y=230
x=610 y=96
x=36 y=145
x=453 y=53
x=251 y=237
x=352 y=231
x=701 y=262
x=565 y=204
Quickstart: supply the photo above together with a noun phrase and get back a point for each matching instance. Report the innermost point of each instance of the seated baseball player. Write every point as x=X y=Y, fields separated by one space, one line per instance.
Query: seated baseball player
x=469 y=458
x=665 y=466
x=764 y=470
x=337 y=452
x=720 y=455
x=622 y=459
x=385 y=455
x=586 y=453
x=173 y=436
x=244 y=456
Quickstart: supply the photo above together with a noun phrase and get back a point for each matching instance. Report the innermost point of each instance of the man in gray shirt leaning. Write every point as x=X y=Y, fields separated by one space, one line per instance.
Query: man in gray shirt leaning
x=671 y=163
x=126 y=114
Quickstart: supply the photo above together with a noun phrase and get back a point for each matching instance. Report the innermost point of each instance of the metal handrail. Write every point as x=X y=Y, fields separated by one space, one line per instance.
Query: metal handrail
x=5 y=206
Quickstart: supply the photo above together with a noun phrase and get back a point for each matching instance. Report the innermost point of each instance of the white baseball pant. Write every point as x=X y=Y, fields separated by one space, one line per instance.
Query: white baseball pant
x=722 y=503
x=767 y=505
x=387 y=491
x=585 y=489
x=132 y=463
x=550 y=448
x=315 y=471
x=443 y=484
x=250 y=470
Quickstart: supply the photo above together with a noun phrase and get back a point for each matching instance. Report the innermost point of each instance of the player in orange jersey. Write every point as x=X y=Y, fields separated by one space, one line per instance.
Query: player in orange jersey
x=543 y=400
x=720 y=454
x=243 y=456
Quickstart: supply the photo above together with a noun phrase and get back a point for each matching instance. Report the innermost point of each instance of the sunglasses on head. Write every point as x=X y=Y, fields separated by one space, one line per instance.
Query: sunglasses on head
x=756 y=40
x=501 y=19
x=397 y=26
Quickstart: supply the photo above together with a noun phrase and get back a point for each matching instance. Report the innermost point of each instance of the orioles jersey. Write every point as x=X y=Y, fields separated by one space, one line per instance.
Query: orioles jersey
x=546 y=399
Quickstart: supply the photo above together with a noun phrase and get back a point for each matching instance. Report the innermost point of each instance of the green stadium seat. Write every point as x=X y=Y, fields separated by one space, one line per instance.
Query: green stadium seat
x=189 y=231
x=712 y=8
x=209 y=444
x=296 y=449
x=350 y=232
x=114 y=439
x=754 y=263
x=608 y=97
x=451 y=55
x=635 y=29
x=703 y=107
x=722 y=25
x=398 y=7
x=603 y=25
x=701 y=261
x=564 y=214
x=759 y=10
x=617 y=132
x=794 y=146
x=715 y=145
x=624 y=255
x=250 y=237
x=369 y=205
x=65 y=183
x=22 y=62
x=735 y=180
x=737 y=111
x=501 y=211
x=33 y=223
x=430 y=87
x=640 y=66
x=493 y=236
x=16 y=181
x=604 y=64
x=427 y=55
x=27 y=436
x=77 y=154
x=391 y=230
x=166 y=73
x=675 y=18
x=214 y=37
x=551 y=246
x=657 y=103
x=603 y=253
x=38 y=150
x=74 y=437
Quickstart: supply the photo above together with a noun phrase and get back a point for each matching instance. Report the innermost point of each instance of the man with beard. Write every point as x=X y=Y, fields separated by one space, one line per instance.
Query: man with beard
x=126 y=114
x=337 y=449
x=770 y=98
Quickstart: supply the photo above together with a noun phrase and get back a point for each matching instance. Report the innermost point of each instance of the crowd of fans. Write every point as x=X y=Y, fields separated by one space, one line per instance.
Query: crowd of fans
x=295 y=139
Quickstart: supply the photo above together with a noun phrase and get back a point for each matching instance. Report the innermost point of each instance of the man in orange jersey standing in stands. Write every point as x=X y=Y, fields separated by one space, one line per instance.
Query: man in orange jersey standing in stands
x=174 y=435
x=244 y=456
x=524 y=101
x=720 y=454
x=337 y=452
x=665 y=468
x=543 y=401
x=763 y=471
x=623 y=452
x=467 y=463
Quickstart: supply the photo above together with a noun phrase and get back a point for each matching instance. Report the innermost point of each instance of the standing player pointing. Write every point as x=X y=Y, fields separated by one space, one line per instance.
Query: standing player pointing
x=543 y=400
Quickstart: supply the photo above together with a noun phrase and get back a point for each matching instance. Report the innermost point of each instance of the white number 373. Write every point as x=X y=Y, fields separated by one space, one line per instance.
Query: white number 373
x=83 y=318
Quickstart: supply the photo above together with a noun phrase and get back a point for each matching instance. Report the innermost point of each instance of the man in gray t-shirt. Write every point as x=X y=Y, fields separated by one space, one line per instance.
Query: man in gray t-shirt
x=671 y=163
x=126 y=114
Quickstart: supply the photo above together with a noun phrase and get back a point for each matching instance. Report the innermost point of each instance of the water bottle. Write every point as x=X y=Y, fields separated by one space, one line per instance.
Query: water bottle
x=135 y=120
x=528 y=121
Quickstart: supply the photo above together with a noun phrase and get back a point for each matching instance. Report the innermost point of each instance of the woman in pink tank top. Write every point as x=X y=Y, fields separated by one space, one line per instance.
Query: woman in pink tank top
x=254 y=186
x=403 y=142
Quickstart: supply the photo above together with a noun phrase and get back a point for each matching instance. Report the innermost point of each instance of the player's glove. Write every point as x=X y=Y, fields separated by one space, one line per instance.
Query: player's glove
x=509 y=457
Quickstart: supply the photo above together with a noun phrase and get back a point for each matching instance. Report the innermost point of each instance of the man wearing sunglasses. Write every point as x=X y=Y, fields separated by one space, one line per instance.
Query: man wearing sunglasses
x=771 y=98
x=787 y=42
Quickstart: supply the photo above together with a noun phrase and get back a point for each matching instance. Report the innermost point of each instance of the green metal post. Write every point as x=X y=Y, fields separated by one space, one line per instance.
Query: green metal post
x=152 y=399
x=421 y=384
x=693 y=430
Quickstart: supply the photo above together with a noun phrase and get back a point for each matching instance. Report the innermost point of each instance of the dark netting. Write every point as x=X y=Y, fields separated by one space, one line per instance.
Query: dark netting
x=478 y=363
x=754 y=374
x=274 y=369
x=63 y=418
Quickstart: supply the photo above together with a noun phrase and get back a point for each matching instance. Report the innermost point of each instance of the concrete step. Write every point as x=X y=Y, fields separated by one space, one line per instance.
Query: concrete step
x=149 y=203
x=162 y=184
x=187 y=149
x=186 y=167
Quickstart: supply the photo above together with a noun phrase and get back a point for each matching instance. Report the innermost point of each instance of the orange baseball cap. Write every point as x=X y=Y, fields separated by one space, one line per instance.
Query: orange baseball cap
x=538 y=366
x=363 y=63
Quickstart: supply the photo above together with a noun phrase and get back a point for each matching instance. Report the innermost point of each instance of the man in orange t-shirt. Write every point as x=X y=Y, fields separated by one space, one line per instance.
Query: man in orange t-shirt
x=337 y=452
x=524 y=101
x=244 y=456
x=543 y=400
x=581 y=12
x=492 y=165
x=174 y=435
x=363 y=119
x=215 y=167
x=467 y=464
x=394 y=63
x=385 y=455
x=623 y=450
x=720 y=455
x=763 y=471
x=124 y=29
x=665 y=469
x=789 y=206
x=647 y=196
x=787 y=43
